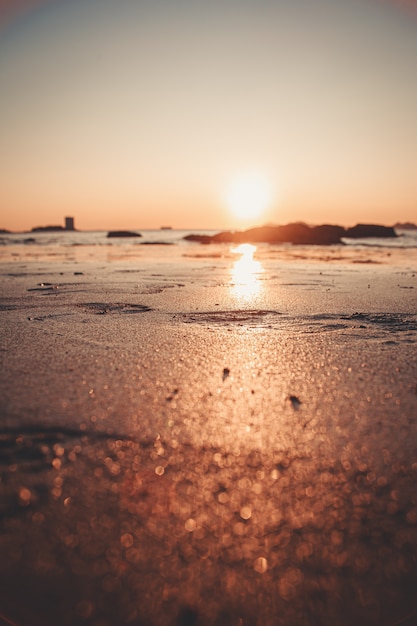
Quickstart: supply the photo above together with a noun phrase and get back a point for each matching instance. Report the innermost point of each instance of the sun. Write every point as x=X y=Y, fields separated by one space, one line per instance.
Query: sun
x=248 y=195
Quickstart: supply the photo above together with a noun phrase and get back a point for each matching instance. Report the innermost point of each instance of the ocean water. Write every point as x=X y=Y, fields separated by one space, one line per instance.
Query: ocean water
x=98 y=238
x=167 y=251
x=71 y=239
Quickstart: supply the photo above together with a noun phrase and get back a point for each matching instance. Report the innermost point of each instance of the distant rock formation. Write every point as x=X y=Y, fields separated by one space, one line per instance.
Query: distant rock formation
x=361 y=231
x=4 y=231
x=47 y=229
x=69 y=225
x=157 y=243
x=297 y=233
x=122 y=233
x=405 y=226
x=206 y=239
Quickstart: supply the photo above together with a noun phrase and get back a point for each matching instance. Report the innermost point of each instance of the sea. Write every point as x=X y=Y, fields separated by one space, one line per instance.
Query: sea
x=171 y=244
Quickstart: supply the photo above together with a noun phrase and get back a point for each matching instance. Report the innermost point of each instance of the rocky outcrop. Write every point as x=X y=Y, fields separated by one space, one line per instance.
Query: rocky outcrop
x=122 y=233
x=405 y=226
x=261 y=234
x=296 y=233
x=47 y=229
x=327 y=234
x=206 y=239
x=361 y=231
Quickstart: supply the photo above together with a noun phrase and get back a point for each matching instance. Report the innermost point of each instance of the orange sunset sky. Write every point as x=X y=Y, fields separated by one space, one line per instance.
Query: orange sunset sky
x=197 y=114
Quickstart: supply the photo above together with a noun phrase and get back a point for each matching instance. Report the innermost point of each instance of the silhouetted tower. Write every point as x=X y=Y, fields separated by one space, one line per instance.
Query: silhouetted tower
x=69 y=223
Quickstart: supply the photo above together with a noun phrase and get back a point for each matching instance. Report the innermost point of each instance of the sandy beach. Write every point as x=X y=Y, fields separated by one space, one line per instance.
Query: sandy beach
x=208 y=437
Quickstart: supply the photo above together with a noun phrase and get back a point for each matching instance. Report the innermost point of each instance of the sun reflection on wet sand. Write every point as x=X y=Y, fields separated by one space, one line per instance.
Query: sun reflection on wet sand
x=246 y=271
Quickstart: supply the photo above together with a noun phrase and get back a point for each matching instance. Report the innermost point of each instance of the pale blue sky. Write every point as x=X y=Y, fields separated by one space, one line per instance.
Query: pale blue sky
x=138 y=113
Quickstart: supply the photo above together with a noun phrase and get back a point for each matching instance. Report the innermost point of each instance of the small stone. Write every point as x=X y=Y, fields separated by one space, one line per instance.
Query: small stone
x=296 y=402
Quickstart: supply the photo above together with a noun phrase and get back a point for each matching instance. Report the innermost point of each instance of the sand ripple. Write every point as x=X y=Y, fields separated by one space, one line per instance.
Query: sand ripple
x=103 y=308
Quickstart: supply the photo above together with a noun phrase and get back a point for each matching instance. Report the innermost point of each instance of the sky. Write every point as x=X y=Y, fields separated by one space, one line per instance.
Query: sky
x=207 y=114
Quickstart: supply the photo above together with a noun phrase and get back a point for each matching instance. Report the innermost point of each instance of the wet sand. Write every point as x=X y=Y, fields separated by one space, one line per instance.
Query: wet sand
x=188 y=442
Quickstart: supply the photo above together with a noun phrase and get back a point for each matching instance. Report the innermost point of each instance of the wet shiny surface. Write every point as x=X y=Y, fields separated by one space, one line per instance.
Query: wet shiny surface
x=179 y=446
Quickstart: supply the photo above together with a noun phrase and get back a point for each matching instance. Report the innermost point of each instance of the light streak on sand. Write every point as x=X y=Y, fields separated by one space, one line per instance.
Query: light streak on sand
x=246 y=272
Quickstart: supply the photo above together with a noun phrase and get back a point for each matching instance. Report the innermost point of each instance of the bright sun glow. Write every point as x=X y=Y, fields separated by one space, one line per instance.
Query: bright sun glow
x=249 y=195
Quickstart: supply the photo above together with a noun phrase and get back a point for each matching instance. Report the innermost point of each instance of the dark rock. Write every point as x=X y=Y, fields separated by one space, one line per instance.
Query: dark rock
x=47 y=229
x=295 y=401
x=327 y=234
x=361 y=231
x=290 y=233
x=157 y=243
x=296 y=233
x=405 y=226
x=199 y=238
x=122 y=233
x=301 y=234
x=227 y=236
